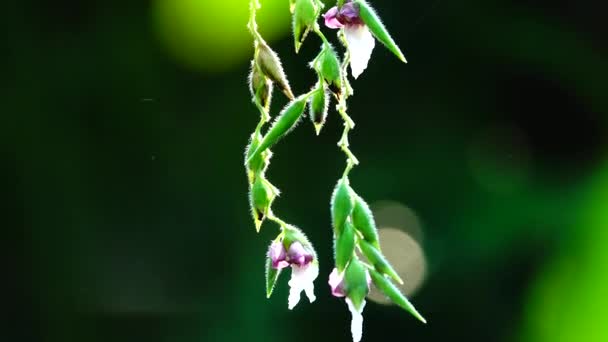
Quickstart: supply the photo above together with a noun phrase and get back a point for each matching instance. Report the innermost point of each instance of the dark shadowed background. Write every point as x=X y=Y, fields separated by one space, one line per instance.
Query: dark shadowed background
x=126 y=216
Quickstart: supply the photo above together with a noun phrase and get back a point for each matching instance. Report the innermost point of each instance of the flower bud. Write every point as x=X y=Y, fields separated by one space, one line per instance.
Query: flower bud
x=363 y=220
x=356 y=282
x=377 y=259
x=260 y=198
x=329 y=68
x=270 y=65
x=260 y=86
x=258 y=164
x=393 y=293
x=305 y=15
x=319 y=105
x=345 y=246
x=373 y=22
x=282 y=126
x=342 y=204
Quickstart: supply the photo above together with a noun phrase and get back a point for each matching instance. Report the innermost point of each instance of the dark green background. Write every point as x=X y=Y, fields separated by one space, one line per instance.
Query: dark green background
x=126 y=214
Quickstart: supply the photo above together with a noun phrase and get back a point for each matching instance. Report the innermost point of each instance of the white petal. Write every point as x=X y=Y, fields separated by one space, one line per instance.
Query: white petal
x=302 y=279
x=360 y=45
x=356 y=324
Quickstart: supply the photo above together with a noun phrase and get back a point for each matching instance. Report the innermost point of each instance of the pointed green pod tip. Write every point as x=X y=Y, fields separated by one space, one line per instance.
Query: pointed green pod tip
x=272 y=275
x=364 y=222
x=305 y=15
x=270 y=65
x=342 y=204
x=284 y=123
x=355 y=282
x=378 y=260
x=393 y=293
x=319 y=106
x=376 y=27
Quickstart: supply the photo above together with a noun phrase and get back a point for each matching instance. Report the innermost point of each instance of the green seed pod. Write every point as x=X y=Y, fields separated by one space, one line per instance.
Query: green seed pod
x=373 y=22
x=270 y=65
x=345 y=246
x=329 y=68
x=282 y=125
x=272 y=275
x=356 y=285
x=377 y=259
x=319 y=106
x=260 y=86
x=393 y=293
x=342 y=204
x=258 y=164
x=304 y=17
x=260 y=198
x=363 y=220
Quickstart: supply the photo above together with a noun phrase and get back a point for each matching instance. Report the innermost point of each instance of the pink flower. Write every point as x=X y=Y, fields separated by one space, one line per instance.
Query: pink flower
x=360 y=42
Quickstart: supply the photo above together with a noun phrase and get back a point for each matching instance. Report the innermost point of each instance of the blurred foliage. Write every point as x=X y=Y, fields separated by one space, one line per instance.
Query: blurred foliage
x=122 y=136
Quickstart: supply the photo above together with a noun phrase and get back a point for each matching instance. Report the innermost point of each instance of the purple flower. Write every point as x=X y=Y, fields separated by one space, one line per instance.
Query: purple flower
x=304 y=269
x=295 y=255
x=336 y=282
x=360 y=42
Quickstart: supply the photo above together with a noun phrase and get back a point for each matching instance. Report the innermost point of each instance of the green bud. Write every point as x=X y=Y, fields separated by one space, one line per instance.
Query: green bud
x=282 y=125
x=329 y=69
x=342 y=204
x=363 y=220
x=260 y=198
x=355 y=282
x=319 y=105
x=373 y=22
x=304 y=17
x=345 y=246
x=270 y=65
x=393 y=293
x=272 y=275
x=260 y=86
x=257 y=164
x=378 y=260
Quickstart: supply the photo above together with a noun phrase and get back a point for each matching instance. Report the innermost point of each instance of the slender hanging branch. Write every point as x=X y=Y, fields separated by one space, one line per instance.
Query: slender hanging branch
x=353 y=224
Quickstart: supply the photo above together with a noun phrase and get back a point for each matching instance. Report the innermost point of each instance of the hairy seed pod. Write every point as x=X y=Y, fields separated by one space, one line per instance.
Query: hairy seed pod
x=282 y=125
x=342 y=204
x=261 y=196
x=270 y=65
x=364 y=222
x=329 y=68
x=260 y=86
x=373 y=22
x=355 y=282
x=255 y=165
x=378 y=260
x=393 y=293
x=319 y=106
x=345 y=246
x=304 y=16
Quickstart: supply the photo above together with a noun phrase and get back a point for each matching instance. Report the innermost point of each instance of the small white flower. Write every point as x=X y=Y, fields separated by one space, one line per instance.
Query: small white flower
x=360 y=46
x=356 y=323
x=302 y=279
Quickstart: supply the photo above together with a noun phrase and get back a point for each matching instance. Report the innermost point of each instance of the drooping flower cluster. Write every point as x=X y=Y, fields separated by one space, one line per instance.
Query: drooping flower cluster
x=304 y=268
x=354 y=228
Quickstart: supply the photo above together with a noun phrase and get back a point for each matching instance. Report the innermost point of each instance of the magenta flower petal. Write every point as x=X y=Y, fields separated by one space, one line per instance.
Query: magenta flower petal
x=331 y=18
x=277 y=255
x=297 y=255
x=336 y=282
x=349 y=14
